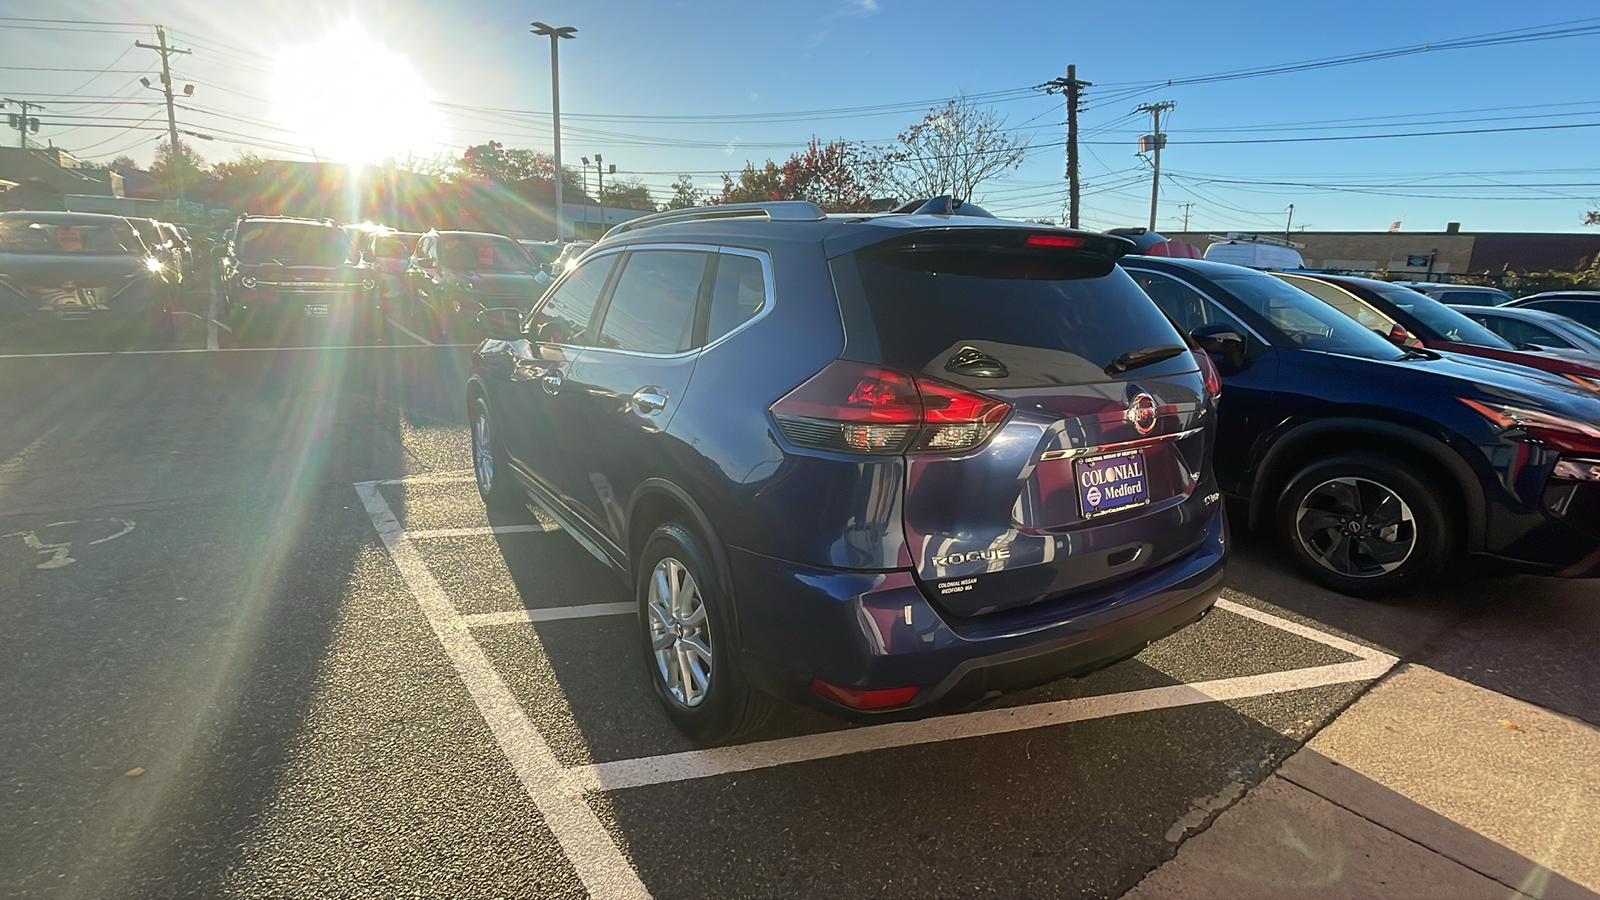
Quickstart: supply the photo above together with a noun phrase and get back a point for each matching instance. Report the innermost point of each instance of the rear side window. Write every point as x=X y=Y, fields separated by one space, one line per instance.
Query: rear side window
x=564 y=316
x=991 y=331
x=1345 y=302
x=1587 y=313
x=739 y=294
x=652 y=306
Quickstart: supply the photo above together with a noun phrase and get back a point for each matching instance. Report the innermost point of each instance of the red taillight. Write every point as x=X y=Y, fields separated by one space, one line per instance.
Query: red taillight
x=1209 y=373
x=1064 y=241
x=860 y=408
x=873 y=699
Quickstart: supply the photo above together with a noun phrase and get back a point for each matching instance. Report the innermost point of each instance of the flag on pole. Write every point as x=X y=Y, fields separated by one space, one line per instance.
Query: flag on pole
x=1395 y=225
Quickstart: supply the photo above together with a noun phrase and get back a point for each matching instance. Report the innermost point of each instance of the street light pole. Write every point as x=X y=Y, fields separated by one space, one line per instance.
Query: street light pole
x=586 y=200
x=555 y=35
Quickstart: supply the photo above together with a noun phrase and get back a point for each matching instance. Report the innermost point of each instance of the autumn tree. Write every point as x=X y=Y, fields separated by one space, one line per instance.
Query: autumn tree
x=684 y=194
x=952 y=151
x=630 y=194
x=832 y=175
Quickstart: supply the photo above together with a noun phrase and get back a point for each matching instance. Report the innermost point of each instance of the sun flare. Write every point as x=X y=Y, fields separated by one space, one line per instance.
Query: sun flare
x=349 y=98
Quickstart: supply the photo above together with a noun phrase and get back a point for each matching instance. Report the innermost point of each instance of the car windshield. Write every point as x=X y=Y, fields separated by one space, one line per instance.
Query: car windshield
x=484 y=253
x=78 y=237
x=293 y=243
x=1451 y=324
x=1306 y=321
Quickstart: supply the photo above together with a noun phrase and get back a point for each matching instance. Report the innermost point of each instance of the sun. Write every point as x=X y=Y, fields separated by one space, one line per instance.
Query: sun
x=350 y=99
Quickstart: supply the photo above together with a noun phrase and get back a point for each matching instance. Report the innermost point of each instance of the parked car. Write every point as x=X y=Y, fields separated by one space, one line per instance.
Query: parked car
x=568 y=256
x=80 y=271
x=178 y=246
x=1580 y=306
x=1459 y=294
x=543 y=252
x=1536 y=327
x=160 y=246
x=880 y=465
x=388 y=254
x=1375 y=465
x=1404 y=315
x=282 y=274
x=455 y=275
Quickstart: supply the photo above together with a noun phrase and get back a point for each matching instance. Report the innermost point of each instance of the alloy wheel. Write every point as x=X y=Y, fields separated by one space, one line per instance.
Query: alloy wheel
x=1356 y=527
x=482 y=454
x=680 y=635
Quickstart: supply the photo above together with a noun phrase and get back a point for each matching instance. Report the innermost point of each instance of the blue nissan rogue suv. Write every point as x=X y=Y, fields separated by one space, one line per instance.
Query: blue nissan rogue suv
x=882 y=465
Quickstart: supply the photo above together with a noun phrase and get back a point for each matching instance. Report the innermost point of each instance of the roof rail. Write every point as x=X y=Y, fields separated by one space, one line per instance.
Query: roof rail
x=776 y=211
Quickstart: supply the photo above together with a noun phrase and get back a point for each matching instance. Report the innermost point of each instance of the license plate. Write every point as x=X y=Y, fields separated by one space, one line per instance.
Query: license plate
x=1109 y=483
x=316 y=309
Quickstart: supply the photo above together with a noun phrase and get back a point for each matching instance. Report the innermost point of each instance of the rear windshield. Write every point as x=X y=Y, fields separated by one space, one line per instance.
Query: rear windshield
x=998 y=332
x=487 y=253
x=1475 y=298
x=91 y=237
x=1446 y=321
x=293 y=244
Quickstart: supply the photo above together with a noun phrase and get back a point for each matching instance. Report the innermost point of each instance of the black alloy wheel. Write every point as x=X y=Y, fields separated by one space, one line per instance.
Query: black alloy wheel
x=1364 y=525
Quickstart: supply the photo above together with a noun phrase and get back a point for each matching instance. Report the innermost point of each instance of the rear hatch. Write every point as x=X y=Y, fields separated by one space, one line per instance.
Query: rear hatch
x=1087 y=472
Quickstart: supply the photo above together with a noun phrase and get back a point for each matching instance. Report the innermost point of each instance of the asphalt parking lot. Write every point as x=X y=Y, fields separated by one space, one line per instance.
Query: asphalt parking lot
x=258 y=638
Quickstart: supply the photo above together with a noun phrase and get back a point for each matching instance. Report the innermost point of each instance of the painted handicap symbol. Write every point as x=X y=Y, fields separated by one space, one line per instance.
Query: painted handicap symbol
x=60 y=554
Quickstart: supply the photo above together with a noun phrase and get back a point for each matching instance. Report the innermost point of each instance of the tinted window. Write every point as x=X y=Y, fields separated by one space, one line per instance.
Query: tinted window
x=910 y=311
x=652 y=306
x=1345 y=302
x=88 y=236
x=1587 y=313
x=1474 y=298
x=482 y=252
x=1187 y=306
x=293 y=243
x=1440 y=318
x=739 y=295
x=564 y=316
x=1300 y=318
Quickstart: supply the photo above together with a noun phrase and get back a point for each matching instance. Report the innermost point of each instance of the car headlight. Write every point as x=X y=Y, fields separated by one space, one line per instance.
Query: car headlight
x=1566 y=435
x=247 y=282
x=368 y=284
x=153 y=264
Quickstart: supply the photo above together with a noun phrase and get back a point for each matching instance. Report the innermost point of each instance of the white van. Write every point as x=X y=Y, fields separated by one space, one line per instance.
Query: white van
x=1255 y=255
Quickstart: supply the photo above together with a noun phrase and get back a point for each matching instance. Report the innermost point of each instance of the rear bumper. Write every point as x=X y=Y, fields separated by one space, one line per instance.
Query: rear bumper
x=868 y=631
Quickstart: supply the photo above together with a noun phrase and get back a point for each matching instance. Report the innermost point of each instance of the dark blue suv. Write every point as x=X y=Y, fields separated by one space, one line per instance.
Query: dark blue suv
x=882 y=465
x=1377 y=464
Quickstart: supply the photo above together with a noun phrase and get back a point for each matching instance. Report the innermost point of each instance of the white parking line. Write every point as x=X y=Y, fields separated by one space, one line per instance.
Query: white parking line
x=328 y=347
x=600 y=865
x=479 y=530
x=452 y=477
x=550 y=614
x=211 y=322
x=630 y=773
x=409 y=333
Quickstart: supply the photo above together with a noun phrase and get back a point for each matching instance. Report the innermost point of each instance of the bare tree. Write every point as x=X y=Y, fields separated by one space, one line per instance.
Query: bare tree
x=952 y=151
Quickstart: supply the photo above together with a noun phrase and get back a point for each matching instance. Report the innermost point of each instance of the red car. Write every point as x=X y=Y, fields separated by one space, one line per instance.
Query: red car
x=1412 y=318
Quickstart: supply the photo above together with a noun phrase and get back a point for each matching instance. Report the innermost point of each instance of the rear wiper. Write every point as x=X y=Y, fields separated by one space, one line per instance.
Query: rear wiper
x=1135 y=359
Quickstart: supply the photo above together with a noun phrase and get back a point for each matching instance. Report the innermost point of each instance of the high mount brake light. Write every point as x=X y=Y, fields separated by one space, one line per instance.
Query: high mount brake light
x=1063 y=241
x=1565 y=435
x=858 y=408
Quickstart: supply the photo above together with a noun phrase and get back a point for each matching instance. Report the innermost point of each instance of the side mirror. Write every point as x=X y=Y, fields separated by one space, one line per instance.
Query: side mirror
x=1223 y=342
x=501 y=324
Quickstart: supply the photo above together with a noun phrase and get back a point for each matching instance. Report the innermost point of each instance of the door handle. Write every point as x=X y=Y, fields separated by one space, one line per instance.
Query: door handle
x=650 y=399
x=552 y=380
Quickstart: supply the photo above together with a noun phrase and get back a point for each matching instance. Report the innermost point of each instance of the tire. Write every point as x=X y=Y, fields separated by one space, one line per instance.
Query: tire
x=691 y=642
x=1365 y=526
x=489 y=469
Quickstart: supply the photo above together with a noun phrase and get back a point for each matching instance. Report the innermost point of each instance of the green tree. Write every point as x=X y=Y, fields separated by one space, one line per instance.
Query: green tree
x=507 y=165
x=684 y=194
x=630 y=194
x=191 y=167
x=122 y=162
x=245 y=165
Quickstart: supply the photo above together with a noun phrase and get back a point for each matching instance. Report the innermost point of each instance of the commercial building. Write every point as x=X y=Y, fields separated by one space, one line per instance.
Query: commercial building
x=1420 y=254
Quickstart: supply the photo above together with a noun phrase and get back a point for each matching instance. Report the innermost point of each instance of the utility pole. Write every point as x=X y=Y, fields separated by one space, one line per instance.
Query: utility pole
x=21 y=122
x=1288 y=222
x=555 y=35
x=1073 y=88
x=166 y=88
x=1186 y=207
x=600 y=188
x=1153 y=142
x=586 y=201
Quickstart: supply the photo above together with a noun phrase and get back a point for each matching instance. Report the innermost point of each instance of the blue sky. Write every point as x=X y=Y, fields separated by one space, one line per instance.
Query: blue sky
x=637 y=69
